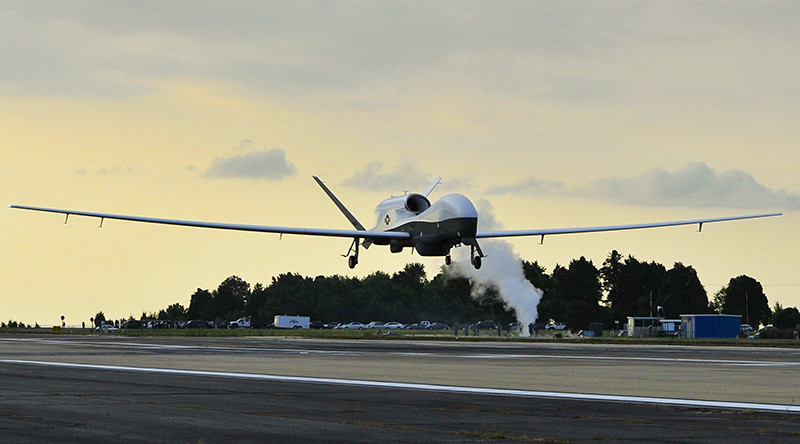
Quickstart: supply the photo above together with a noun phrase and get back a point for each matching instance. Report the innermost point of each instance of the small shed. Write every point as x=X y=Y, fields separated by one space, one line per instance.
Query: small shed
x=710 y=325
x=643 y=326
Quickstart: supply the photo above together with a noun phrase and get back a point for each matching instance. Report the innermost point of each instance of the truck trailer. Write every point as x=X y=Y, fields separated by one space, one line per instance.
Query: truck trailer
x=286 y=321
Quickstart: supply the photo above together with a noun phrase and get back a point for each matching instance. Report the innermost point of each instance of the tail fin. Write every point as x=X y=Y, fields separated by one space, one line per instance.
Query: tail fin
x=341 y=206
x=431 y=186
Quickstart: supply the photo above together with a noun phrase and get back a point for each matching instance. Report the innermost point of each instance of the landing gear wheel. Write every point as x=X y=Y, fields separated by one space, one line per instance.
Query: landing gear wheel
x=448 y=260
x=352 y=261
x=475 y=253
x=476 y=262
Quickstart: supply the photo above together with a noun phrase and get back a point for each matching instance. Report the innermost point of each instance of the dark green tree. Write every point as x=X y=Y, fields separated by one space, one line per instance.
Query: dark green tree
x=410 y=285
x=200 y=305
x=743 y=296
x=175 y=311
x=451 y=301
x=609 y=275
x=537 y=275
x=377 y=299
x=579 y=314
x=637 y=282
x=334 y=298
x=99 y=318
x=228 y=300
x=786 y=318
x=256 y=300
x=553 y=305
x=289 y=294
x=681 y=292
x=578 y=283
x=412 y=277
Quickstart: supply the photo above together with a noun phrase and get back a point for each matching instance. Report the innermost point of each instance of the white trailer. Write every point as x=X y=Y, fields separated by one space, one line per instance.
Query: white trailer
x=286 y=321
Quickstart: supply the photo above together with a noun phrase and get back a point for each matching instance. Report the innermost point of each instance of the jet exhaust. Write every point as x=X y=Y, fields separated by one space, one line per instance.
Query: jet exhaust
x=501 y=270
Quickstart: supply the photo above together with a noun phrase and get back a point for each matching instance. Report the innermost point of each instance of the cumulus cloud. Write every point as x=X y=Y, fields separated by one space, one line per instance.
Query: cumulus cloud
x=374 y=177
x=104 y=171
x=695 y=185
x=268 y=164
x=531 y=185
x=110 y=48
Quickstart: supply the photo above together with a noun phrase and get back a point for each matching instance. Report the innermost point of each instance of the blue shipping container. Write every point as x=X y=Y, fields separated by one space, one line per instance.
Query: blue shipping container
x=711 y=325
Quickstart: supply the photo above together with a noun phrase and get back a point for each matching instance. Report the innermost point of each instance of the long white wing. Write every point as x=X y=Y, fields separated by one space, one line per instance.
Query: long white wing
x=363 y=234
x=546 y=232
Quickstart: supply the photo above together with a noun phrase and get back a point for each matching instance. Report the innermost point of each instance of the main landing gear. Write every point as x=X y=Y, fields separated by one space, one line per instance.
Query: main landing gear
x=476 y=262
x=352 y=261
x=475 y=253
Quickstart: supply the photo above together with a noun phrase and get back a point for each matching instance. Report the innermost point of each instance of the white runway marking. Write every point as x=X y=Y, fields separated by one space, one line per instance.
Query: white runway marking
x=125 y=345
x=426 y=387
x=646 y=359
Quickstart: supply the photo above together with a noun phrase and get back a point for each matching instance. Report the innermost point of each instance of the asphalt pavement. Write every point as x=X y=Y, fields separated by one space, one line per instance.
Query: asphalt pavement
x=79 y=389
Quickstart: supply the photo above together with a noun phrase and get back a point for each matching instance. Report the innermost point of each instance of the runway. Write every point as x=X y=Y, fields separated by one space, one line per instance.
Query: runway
x=260 y=389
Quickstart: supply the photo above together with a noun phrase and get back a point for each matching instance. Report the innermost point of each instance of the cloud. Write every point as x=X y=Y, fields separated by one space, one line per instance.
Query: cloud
x=265 y=164
x=374 y=177
x=695 y=185
x=104 y=171
x=109 y=48
x=532 y=185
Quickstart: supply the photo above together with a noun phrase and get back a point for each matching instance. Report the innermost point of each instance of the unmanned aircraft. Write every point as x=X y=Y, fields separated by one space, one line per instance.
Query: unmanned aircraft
x=408 y=221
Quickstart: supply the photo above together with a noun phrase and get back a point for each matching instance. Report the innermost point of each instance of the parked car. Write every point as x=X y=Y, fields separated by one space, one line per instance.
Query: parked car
x=133 y=325
x=240 y=323
x=107 y=328
x=375 y=324
x=438 y=326
x=353 y=326
x=393 y=325
x=316 y=325
x=197 y=323
x=555 y=326
x=757 y=335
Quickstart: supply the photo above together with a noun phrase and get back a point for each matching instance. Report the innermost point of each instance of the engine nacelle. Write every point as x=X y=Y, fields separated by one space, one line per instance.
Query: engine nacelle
x=417 y=203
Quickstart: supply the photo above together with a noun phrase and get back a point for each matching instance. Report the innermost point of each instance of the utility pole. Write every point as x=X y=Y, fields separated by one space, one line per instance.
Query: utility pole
x=746 y=307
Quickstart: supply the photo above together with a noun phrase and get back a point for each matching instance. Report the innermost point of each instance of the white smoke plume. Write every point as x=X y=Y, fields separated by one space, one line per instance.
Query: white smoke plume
x=501 y=269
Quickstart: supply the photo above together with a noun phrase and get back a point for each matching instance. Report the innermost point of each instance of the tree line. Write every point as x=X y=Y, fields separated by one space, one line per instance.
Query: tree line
x=578 y=294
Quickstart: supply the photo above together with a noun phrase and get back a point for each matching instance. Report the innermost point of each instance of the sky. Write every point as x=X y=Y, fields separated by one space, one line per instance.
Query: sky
x=546 y=114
